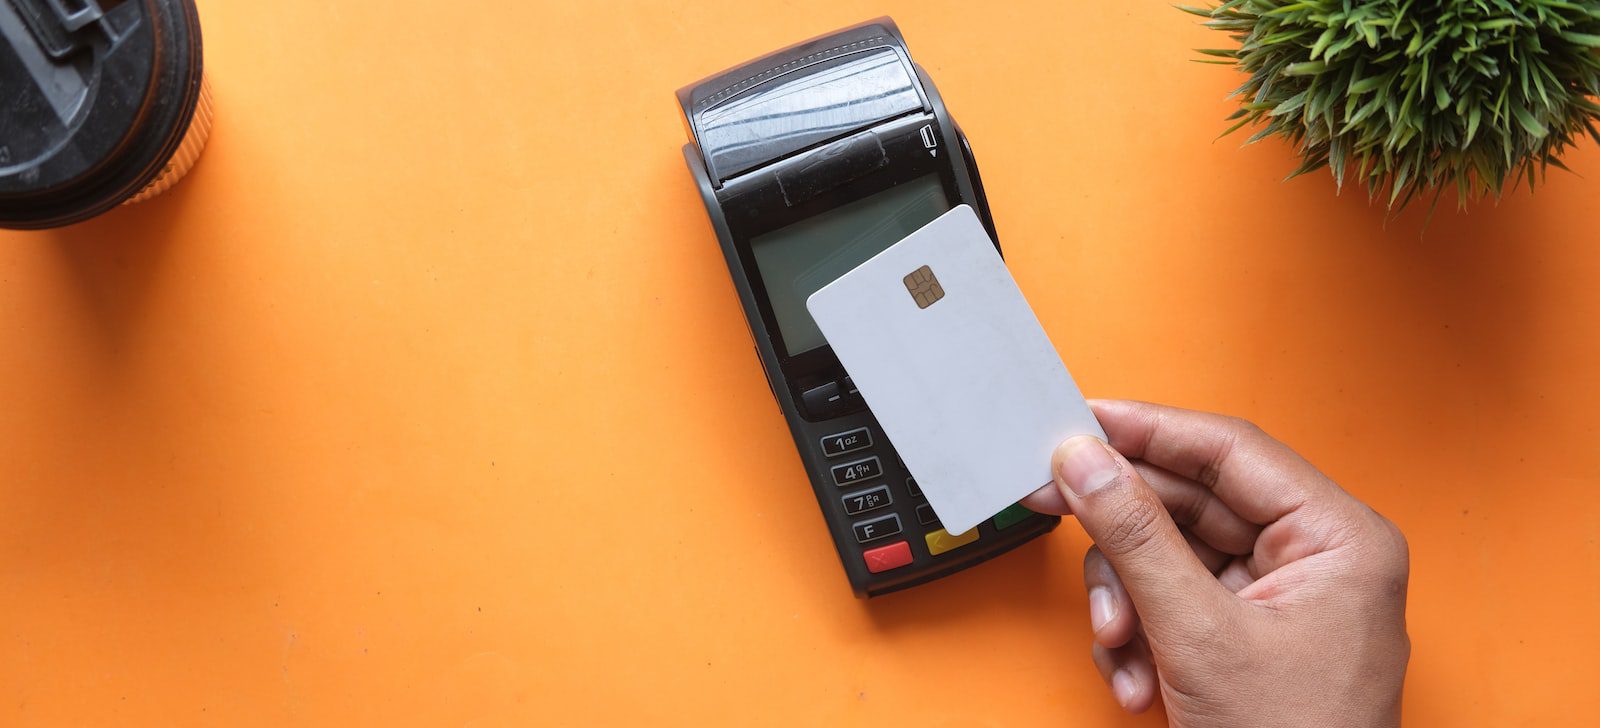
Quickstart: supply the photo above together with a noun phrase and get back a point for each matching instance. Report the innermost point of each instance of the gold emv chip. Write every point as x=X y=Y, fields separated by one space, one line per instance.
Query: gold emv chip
x=924 y=287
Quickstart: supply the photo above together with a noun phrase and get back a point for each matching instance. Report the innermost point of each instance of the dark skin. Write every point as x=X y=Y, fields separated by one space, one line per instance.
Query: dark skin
x=1229 y=576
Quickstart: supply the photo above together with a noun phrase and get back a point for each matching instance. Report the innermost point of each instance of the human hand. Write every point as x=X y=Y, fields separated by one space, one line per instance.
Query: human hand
x=1231 y=574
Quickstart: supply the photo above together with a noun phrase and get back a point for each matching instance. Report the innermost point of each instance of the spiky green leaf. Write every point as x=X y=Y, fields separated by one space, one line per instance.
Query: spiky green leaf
x=1413 y=96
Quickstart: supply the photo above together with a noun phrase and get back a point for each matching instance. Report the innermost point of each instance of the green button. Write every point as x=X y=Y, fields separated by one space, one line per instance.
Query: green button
x=1011 y=516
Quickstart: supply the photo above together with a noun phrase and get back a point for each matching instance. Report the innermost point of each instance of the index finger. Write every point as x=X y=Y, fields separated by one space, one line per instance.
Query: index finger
x=1256 y=476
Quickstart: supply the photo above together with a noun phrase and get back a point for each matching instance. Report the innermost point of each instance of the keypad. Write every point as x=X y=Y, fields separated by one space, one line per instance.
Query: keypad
x=877 y=528
x=869 y=504
x=840 y=443
x=870 y=499
x=859 y=471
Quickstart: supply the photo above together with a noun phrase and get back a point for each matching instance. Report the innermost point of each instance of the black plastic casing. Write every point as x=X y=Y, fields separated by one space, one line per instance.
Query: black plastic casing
x=98 y=96
x=792 y=135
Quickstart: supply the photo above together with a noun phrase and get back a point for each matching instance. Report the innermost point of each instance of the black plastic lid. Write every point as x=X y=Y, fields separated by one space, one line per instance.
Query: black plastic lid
x=98 y=94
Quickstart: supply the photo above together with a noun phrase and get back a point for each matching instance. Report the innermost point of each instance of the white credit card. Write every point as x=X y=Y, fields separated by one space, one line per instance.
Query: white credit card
x=955 y=366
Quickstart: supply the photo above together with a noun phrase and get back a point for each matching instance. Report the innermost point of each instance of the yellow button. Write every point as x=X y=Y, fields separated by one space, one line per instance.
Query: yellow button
x=941 y=541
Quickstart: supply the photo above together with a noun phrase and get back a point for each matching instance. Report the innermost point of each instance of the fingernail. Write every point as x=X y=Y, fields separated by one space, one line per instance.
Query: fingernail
x=1102 y=608
x=1124 y=687
x=1086 y=465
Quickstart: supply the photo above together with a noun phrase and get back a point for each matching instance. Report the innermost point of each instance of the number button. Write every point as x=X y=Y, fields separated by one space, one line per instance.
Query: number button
x=857 y=472
x=840 y=443
x=925 y=515
x=871 y=499
x=911 y=485
x=877 y=528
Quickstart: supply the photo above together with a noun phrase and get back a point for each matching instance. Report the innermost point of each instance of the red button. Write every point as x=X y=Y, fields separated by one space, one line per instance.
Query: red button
x=884 y=558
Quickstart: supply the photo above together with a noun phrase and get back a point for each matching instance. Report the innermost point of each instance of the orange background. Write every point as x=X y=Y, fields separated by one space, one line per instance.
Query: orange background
x=425 y=398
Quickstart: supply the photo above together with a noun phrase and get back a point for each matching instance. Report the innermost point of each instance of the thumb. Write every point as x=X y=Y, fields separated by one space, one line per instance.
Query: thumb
x=1173 y=592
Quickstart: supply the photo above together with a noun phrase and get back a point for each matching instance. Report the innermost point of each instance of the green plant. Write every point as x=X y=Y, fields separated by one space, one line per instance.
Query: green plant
x=1416 y=95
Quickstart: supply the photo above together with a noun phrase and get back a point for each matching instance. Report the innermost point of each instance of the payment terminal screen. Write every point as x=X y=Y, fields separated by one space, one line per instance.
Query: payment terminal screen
x=797 y=260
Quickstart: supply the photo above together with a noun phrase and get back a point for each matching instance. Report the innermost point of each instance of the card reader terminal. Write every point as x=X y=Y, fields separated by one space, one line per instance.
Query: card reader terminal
x=810 y=160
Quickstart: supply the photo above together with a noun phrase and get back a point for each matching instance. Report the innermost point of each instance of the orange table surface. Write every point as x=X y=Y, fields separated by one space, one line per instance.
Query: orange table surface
x=425 y=398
